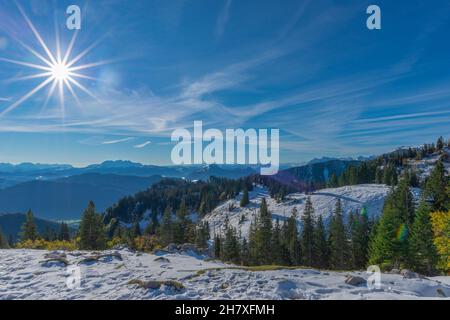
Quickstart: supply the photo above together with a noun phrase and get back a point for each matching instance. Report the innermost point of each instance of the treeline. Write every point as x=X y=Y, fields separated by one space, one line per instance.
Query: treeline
x=386 y=168
x=405 y=236
x=199 y=196
x=341 y=245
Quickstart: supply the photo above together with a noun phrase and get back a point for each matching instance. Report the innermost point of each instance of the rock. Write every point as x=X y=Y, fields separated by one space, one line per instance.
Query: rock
x=55 y=255
x=408 y=274
x=441 y=293
x=355 y=281
x=394 y=271
x=162 y=259
x=55 y=261
x=224 y=286
x=154 y=284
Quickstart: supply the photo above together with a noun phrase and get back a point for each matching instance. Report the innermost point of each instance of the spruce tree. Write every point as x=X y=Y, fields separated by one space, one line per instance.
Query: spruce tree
x=166 y=227
x=3 y=240
x=422 y=249
x=29 y=229
x=217 y=246
x=264 y=234
x=231 y=247
x=360 y=232
x=389 y=247
x=276 y=245
x=245 y=198
x=293 y=244
x=64 y=232
x=435 y=188
x=92 y=230
x=321 y=252
x=136 y=230
x=339 y=251
x=245 y=252
x=307 y=234
x=10 y=241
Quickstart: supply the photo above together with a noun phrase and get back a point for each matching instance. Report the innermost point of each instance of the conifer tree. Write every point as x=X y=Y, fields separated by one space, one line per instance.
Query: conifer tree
x=245 y=198
x=360 y=232
x=3 y=240
x=292 y=239
x=389 y=247
x=92 y=230
x=136 y=230
x=64 y=232
x=264 y=234
x=307 y=234
x=422 y=249
x=321 y=252
x=230 y=247
x=29 y=229
x=217 y=246
x=333 y=183
x=338 y=240
x=166 y=227
x=435 y=188
x=10 y=241
x=276 y=245
x=245 y=252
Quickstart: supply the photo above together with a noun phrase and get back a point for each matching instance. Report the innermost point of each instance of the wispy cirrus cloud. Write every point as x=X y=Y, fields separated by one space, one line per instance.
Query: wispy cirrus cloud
x=142 y=145
x=223 y=18
x=117 y=140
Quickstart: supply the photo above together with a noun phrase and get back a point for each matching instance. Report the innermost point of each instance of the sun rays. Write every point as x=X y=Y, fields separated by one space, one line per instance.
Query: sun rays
x=58 y=70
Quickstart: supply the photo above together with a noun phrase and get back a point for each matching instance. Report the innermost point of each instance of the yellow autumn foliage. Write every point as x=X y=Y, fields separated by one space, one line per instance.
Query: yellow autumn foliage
x=47 y=245
x=441 y=228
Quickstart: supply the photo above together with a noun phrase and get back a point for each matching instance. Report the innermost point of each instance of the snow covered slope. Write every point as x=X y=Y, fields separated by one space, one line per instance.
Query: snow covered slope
x=124 y=274
x=370 y=196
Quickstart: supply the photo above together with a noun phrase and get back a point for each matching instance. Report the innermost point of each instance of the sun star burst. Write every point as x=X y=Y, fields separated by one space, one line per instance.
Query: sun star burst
x=60 y=72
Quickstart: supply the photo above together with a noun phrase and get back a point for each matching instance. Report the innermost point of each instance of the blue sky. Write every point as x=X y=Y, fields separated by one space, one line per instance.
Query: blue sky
x=310 y=68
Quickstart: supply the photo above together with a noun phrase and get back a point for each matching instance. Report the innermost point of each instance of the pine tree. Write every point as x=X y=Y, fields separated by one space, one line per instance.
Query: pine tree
x=264 y=234
x=166 y=227
x=321 y=252
x=64 y=232
x=292 y=239
x=136 y=230
x=435 y=188
x=276 y=245
x=3 y=240
x=217 y=246
x=333 y=182
x=253 y=242
x=338 y=240
x=11 y=241
x=360 y=232
x=440 y=143
x=230 y=244
x=92 y=230
x=29 y=229
x=307 y=234
x=245 y=198
x=389 y=247
x=422 y=249
x=245 y=252
x=202 y=235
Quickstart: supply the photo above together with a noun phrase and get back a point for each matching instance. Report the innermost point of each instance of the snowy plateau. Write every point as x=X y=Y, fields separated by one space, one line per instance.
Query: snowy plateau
x=124 y=274
x=353 y=198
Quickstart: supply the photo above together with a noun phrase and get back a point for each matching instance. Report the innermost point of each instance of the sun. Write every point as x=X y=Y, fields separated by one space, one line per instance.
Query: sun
x=60 y=71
